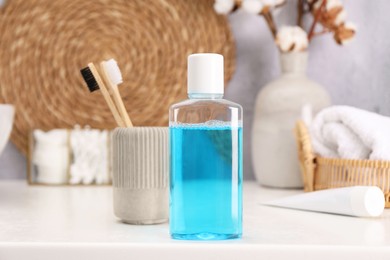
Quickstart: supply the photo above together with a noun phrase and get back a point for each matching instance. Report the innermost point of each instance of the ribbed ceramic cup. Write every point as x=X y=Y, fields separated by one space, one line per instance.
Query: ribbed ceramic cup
x=140 y=174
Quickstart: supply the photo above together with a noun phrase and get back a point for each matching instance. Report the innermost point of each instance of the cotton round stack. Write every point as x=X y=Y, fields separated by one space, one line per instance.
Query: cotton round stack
x=44 y=44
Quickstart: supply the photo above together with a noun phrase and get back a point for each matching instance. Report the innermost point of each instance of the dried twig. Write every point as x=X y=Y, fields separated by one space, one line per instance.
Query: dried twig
x=311 y=4
x=300 y=12
x=270 y=22
x=316 y=18
x=237 y=5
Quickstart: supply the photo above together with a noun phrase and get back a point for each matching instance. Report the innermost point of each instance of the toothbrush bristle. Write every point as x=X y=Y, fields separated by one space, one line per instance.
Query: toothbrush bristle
x=89 y=79
x=113 y=71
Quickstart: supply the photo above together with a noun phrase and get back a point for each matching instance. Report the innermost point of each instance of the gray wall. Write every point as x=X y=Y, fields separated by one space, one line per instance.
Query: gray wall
x=357 y=75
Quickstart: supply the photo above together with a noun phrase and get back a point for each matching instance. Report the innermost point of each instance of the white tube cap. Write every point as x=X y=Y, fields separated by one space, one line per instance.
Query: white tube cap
x=367 y=201
x=205 y=74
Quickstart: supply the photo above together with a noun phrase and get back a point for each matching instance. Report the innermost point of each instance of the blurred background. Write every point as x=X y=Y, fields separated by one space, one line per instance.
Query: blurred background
x=357 y=74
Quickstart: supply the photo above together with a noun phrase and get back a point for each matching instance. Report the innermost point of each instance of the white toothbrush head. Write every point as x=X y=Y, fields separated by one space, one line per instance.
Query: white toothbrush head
x=113 y=72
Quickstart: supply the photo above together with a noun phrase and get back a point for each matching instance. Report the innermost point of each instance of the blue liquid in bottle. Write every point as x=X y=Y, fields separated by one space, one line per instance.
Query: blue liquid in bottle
x=205 y=157
x=206 y=182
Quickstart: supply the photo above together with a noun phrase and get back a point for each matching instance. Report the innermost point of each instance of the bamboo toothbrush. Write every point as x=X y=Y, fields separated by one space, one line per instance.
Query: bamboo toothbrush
x=94 y=82
x=113 y=77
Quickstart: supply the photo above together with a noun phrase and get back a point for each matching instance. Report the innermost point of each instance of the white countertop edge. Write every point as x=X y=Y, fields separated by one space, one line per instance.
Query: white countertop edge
x=186 y=250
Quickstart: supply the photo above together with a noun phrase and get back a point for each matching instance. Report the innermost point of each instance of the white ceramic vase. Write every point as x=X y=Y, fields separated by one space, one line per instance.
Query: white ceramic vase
x=278 y=106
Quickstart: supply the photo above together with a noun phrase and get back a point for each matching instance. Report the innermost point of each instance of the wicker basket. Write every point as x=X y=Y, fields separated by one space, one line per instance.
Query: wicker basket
x=324 y=173
x=44 y=43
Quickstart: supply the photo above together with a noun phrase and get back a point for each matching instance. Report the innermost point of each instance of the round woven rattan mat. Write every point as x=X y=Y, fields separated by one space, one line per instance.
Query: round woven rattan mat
x=44 y=43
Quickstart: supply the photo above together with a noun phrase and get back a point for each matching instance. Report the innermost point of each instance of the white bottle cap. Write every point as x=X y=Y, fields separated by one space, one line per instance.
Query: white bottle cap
x=205 y=73
x=367 y=201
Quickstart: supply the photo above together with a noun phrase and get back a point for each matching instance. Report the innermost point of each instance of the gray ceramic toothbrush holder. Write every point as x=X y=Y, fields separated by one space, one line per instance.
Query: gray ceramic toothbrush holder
x=140 y=174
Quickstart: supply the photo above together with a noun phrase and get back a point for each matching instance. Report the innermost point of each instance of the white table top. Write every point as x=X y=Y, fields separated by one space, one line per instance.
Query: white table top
x=39 y=222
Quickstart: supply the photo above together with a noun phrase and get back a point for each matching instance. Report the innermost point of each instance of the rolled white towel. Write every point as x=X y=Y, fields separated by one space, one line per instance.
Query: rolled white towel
x=348 y=132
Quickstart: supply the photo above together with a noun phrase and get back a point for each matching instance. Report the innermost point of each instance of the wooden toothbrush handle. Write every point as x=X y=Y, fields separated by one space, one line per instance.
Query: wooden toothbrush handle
x=106 y=95
x=114 y=91
x=122 y=108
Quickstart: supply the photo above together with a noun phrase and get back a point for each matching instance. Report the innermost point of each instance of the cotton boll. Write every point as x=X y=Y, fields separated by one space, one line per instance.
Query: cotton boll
x=330 y=4
x=340 y=18
x=252 y=6
x=223 y=6
x=284 y=39
x=350 y=26
x=300 y=39
x=345 y=33
x=300 y=43
x=292 y=39
x=333 y=15
x=272 y=2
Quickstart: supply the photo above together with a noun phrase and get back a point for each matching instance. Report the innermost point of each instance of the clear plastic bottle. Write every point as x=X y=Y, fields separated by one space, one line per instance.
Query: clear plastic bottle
x=205 y=157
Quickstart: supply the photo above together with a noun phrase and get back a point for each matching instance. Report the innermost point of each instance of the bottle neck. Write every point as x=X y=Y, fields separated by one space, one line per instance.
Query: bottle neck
x=293 y=62
x=204 y=96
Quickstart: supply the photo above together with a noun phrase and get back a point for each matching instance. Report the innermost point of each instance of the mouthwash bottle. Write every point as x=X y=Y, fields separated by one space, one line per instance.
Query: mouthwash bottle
x=205 y=157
